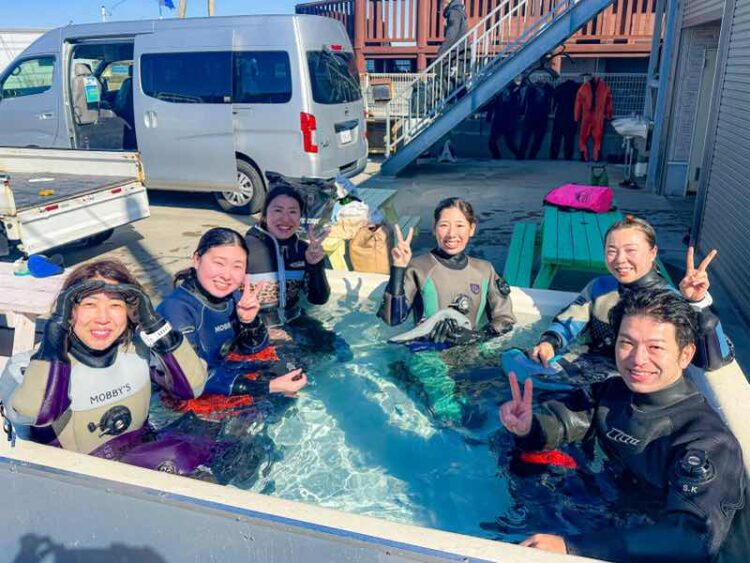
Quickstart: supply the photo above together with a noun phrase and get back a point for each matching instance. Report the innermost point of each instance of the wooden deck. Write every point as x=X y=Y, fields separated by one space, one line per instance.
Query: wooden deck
x=414 y=29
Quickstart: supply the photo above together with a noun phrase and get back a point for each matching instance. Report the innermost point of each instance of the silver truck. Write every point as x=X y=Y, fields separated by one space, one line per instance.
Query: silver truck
x=51 y=197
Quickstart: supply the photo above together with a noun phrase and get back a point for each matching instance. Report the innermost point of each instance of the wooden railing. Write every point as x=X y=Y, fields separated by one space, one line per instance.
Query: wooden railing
x=409 y=28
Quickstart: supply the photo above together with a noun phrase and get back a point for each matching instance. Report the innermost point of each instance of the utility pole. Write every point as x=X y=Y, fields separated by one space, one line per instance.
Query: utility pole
x=103 y=12
x=211 y=7
x=181 y=9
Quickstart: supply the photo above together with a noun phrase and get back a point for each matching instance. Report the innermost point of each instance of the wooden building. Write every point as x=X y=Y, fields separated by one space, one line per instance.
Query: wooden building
x=404 y=35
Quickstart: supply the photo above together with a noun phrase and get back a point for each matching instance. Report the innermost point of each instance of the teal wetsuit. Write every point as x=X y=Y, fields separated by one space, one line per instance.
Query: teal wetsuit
x=435 y=281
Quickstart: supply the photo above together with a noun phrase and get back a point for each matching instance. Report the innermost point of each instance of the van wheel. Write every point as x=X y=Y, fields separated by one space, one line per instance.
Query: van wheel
x=251 y=195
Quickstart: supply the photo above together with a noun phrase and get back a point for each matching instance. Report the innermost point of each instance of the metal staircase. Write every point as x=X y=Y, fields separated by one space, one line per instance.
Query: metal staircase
x=511 y=38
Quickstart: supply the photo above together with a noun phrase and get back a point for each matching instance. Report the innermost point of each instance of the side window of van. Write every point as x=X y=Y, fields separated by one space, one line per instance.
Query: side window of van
x=333 y=76
x=262 y=77
x=188 y=78
x=29 y=77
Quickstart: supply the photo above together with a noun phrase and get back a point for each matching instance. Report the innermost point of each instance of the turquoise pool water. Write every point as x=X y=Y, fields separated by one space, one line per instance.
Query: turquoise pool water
x=359 y=440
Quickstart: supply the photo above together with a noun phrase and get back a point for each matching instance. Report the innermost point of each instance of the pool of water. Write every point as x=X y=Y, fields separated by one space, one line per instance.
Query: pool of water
x=359 y=439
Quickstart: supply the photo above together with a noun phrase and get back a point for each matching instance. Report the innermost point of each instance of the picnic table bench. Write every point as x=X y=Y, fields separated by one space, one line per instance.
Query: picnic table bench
x=567 y=240
x=24 y=299
x=380 y=199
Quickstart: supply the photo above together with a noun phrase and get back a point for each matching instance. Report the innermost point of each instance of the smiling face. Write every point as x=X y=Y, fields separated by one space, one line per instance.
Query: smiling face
x=100 y=319
x=283 y=217
x=629 y=255
x=221 y=270
x=648 y=355
x=453 y=231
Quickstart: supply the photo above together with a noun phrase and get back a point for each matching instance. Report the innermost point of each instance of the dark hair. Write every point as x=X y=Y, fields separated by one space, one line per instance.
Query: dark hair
x=662 y=305
x=282 y=190
x=633 y=222
x=218 y=236
x=110 y=270
x=461 y=204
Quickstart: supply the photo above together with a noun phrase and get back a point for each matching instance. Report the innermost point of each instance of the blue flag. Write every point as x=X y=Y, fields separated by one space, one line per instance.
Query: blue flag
x=168 y=3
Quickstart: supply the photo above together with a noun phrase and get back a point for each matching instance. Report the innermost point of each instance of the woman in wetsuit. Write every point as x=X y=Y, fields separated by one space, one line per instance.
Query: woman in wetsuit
x=291 y=267
x=446 y=277
x=214 y=306
x=87 y=387
x=630 y=254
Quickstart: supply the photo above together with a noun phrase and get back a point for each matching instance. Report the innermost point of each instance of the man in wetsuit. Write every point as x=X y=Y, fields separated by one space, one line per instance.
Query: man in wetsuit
x=654 y=425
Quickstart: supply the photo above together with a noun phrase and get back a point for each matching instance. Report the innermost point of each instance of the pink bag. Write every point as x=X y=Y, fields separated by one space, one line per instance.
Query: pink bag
x=575 y=196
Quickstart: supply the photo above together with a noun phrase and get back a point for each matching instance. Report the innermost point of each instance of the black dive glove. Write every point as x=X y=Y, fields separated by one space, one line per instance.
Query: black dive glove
x=448 y=331
x=55 y=342
x=153 y=329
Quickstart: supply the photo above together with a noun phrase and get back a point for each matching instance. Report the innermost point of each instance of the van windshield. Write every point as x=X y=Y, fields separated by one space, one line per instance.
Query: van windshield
x=334 y=77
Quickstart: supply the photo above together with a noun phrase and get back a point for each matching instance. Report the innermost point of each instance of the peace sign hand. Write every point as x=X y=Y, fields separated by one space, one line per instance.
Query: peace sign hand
x=315 y=252
x=517 y=414
x=695 y=283
x=249 y=304
x=401 y=251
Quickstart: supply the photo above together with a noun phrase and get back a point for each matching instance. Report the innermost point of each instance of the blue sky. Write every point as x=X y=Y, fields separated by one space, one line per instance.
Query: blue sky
x=45 y=14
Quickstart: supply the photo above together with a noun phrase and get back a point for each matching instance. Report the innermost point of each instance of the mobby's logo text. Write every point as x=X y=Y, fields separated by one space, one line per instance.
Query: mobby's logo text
x=105 y=396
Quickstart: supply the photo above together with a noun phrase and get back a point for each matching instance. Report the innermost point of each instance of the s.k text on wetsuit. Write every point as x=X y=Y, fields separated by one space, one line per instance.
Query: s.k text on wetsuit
x=670 y=442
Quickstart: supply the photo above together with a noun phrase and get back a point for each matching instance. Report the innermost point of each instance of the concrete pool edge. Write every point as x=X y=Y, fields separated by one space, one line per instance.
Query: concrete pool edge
x=34 y=476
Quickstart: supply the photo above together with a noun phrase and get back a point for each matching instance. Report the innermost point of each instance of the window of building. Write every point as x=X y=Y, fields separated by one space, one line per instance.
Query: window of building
x=29 y=77
x=262 y=77
x=188 y=78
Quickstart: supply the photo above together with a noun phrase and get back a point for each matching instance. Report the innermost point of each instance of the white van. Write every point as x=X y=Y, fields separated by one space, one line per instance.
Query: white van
x=210 y=103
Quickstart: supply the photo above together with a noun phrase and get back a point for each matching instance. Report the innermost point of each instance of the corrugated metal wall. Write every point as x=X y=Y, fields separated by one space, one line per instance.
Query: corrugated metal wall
x=702 y=11
x=726 y=212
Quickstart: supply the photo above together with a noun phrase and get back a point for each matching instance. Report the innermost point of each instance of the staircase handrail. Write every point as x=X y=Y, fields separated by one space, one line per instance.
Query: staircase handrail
x=467 y=60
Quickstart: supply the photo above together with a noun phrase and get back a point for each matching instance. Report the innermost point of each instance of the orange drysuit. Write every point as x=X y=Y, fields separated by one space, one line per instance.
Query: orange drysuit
x=593 y=106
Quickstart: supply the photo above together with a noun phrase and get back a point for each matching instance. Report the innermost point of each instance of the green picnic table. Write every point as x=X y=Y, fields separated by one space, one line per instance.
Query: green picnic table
x=567 y=240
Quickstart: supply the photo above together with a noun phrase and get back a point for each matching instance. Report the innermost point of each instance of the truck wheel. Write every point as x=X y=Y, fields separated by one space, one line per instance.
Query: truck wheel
x=252 y=192
x=98 y=238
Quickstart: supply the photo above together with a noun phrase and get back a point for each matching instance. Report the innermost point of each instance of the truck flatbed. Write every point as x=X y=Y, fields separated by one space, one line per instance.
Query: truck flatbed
x=27 y=187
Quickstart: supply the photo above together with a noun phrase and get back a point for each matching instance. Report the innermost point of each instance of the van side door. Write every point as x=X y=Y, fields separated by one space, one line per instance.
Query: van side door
x=29 y=91
x=183 y=110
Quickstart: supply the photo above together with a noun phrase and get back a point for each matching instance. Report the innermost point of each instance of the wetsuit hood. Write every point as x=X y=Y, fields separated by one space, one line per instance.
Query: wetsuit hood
x=194 y=287
x=93 y=358
x=452 y=261
x=651 y=280
x=678 y=391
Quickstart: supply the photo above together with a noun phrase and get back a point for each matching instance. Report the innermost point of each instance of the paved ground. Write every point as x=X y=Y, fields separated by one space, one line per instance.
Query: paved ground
x=502 y=192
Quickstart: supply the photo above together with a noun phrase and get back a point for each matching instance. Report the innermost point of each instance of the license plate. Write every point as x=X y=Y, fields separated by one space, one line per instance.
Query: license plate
x=345 y=136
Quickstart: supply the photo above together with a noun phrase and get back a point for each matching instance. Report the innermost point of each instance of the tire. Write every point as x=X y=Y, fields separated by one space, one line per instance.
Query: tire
x=98 y=238
x=252 y=194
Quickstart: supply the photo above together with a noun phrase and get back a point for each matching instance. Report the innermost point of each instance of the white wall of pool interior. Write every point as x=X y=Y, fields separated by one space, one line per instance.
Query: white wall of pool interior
x=83 y=504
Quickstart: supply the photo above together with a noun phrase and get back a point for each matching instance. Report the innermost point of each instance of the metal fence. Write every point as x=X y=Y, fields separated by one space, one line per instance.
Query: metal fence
x=628 y=91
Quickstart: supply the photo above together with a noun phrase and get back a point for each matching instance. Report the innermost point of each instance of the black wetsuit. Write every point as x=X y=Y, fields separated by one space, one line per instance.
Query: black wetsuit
x=565 y=126
x=536 y=105
x=503 y=117
x=282 y=264
x=589 y=312
x=670 y=442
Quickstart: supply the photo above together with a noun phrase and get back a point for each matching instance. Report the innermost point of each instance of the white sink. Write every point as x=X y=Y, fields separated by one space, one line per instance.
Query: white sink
x=631 y=126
